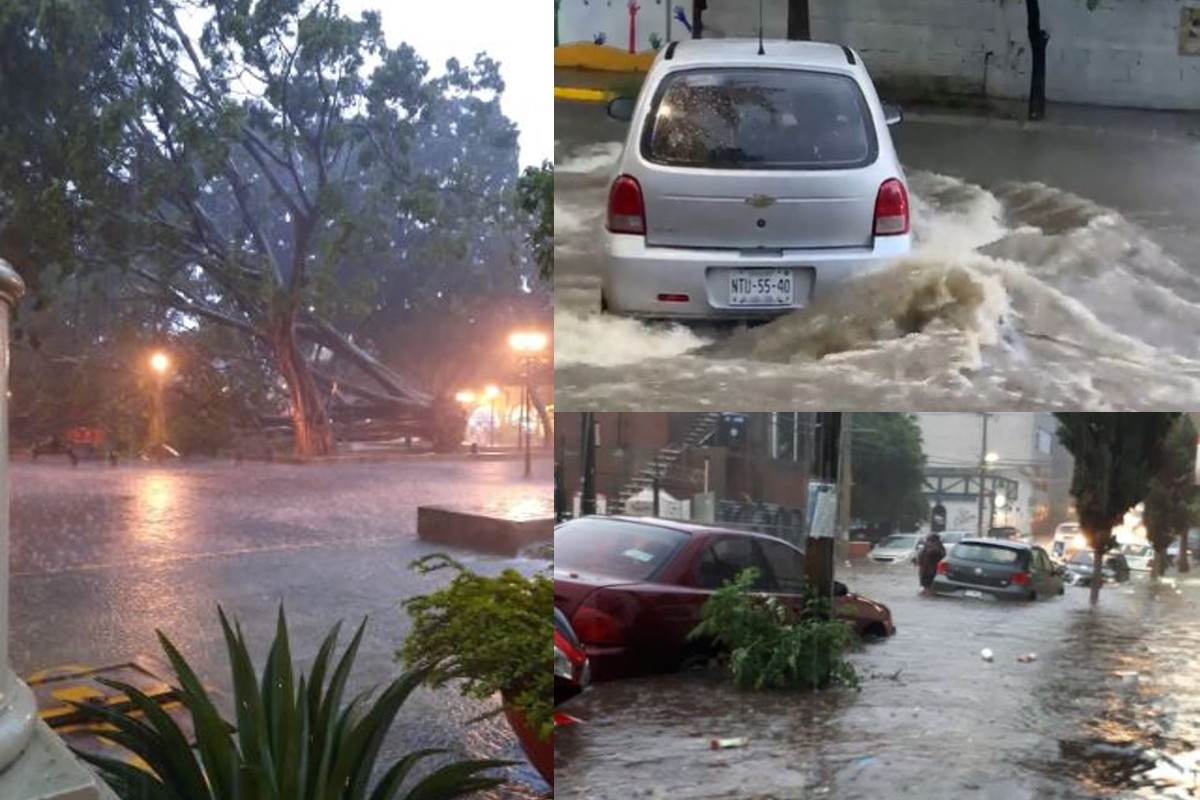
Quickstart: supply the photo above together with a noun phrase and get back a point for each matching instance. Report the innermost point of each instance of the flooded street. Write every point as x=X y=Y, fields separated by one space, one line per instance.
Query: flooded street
x=1054 y=268
x=102 y=557
x=1109 y=708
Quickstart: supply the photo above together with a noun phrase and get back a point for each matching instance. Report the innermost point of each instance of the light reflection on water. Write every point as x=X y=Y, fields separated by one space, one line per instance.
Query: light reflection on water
x=932 y=714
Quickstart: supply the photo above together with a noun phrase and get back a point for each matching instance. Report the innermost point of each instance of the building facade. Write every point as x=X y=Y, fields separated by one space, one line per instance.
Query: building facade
x=996 y=470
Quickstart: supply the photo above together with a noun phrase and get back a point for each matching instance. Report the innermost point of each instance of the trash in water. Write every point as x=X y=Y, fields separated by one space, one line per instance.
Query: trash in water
x=725 y=744
x=1127 y=676
x=1027 y=658
x=986 y=654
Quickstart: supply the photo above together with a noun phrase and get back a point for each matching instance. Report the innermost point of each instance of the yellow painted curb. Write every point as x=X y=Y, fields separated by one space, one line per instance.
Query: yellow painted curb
x=583 y=95
x=584 y=55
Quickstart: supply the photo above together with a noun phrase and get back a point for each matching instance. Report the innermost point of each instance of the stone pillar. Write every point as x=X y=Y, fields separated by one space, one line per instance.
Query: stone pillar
x=34 y=762
x=18 y=710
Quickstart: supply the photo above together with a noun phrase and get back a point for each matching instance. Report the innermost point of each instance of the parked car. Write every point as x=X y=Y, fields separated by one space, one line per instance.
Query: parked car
x=1081 y=568
x=633 y=588
x=1068 y=540
x=998 y=568
x=726 y=205
x=1009 y=533
x=949 y=539
x=1140 y=557
x=896 y=549
x=572 y=672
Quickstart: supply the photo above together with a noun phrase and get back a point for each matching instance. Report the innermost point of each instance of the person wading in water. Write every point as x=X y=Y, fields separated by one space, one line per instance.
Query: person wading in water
x=933 y=552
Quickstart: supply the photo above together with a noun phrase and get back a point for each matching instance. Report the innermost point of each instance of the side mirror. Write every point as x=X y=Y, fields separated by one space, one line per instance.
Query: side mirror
x=621 y=108
x=892 y=115
x=840 y=589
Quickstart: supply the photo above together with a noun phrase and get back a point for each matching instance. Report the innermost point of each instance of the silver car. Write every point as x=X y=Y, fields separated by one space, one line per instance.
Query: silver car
x=750 y=184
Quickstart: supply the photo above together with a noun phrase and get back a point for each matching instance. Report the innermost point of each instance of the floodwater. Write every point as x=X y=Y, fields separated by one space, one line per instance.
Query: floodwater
x=1109 y=708
x=1023 y=291
x=104 y=556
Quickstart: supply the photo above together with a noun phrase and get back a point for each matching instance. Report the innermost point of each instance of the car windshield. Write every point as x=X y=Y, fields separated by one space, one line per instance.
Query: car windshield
x=985 y=553
x=615 y=548
x=1137 y=550
x=898 y=540
x=1085 y=558
x=776 y=119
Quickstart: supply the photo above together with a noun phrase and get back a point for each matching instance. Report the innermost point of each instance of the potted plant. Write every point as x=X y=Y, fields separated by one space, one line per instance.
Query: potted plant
x=291 y=737
x=495 y=634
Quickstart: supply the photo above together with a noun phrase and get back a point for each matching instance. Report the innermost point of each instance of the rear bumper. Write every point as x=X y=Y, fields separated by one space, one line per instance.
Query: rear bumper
x=635 y=275
x=944 y=585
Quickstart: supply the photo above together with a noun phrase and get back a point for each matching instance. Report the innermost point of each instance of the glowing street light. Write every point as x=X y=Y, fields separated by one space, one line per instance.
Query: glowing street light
x=159 y=363
x=527 y=345
x=991 y=458
x=466 y=397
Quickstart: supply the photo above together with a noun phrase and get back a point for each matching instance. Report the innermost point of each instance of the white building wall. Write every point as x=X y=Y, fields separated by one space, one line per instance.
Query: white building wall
x=1122 y=53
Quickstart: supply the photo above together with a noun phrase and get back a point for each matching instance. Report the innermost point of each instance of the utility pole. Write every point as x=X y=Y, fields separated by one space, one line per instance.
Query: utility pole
x=983 y=469
x=845 y=483
x=587 y=451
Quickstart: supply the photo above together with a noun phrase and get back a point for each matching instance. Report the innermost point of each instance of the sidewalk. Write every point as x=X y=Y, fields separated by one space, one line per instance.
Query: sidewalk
x=596 y=86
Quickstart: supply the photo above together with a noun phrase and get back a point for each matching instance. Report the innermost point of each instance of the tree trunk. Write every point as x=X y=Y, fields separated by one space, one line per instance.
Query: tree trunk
x=1099 y=543
x=797 y=20
x=543 y=416
x=1160 y=563
x=311 y=427
x=1038 y=39
x=1182 y=565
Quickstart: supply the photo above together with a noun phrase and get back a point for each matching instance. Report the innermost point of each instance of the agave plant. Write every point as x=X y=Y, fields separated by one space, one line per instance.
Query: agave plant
x=292 y=737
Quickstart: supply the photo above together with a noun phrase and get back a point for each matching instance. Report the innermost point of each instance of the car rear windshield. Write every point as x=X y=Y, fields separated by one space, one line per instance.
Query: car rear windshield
x=768 y=119
x=615 y=548
x=985 y=553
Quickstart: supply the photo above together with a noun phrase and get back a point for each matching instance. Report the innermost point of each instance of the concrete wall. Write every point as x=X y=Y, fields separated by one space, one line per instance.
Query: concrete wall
x=1122 y=53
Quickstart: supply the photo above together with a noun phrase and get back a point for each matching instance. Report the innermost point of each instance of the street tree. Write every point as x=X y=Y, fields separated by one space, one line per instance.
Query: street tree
x=888 y=471
x=1173 y=501
x=263 y=167
x=798 y=20
x=536 y=195
x=1116 y=455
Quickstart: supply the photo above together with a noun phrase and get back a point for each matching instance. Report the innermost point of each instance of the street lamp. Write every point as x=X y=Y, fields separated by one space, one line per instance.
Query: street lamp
x=527 y=345
x=491 y=393
x=159 y=364
x=466 y=397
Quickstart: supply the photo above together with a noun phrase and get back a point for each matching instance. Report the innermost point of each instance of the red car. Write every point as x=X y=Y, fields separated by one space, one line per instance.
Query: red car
x=634 y=588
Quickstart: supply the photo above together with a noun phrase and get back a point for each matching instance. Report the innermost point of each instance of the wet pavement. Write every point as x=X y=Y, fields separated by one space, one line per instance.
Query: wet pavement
x=1109 y=708
x=1055 y=268
x=101 y=557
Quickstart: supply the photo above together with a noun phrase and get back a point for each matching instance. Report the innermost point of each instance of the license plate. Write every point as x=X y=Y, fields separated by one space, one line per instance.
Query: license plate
x=973 y=593
x=761 y=287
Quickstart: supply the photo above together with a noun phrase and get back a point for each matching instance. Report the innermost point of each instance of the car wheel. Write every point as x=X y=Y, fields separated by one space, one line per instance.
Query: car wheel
x=603 y=303
x=1033 y=596
x=874 y=632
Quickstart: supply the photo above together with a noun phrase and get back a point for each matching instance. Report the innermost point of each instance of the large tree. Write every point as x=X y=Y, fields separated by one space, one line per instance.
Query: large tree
x=888 y=466
x=266 y=167
x=1116 y=455
x=1173 y=501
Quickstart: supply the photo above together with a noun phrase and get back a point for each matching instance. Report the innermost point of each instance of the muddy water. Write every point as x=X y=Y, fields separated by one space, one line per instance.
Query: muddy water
x=1018 y=295
x=932 y=715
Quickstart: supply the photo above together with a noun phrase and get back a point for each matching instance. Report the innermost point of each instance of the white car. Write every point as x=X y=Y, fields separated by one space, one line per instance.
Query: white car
x=1139 y=556
x=897 y=548
x=750 y=183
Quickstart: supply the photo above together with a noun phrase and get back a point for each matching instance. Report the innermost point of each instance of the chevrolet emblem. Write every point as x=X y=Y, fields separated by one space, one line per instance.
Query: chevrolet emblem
x=760 y=201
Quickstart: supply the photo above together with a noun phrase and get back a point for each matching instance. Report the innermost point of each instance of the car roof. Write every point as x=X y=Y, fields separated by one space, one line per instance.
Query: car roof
x=1007 y=543
x=776 y=53
x=690 y=528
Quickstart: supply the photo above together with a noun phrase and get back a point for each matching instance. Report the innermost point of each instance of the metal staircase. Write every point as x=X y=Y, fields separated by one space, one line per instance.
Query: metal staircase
x=659 y=466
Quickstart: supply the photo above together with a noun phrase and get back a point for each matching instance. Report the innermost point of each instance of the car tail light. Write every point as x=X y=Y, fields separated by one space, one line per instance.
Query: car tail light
x=943 y=568
x=626 y=209
x=594 y=626
x=1020 y=578
x=891 y=209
